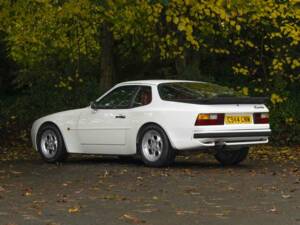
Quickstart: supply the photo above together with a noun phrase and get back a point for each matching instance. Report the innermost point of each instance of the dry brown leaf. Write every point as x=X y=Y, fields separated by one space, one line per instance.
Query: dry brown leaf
x=155 y=198
x=74 y=209
x=230 y=188
x=273 y=210
x=15 y=172
x=185 y=212
x=27 y=193
x=132 y=219
x=148 y=210
x=285 y=196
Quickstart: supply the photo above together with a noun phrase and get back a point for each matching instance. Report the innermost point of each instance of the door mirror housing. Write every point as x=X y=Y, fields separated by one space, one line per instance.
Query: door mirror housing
x=93 y=105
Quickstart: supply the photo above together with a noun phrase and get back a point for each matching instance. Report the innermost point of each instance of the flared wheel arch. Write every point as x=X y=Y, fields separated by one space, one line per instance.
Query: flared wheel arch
x=45 y=124
x=149 y=124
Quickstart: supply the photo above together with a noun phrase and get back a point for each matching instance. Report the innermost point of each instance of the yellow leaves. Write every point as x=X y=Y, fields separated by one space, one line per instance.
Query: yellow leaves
x=274 y=14
x=207 y=12
x=289 y=120
x=188 y=2
x=245 y=91
x=275 y=98
x=295 y=64
x=220 y=51
x=250 y=44
x=275 y=35
x=276 y=154
x=239 y=43
x=258 y=90
x=181 y=26
x=150 y=18
x=239 y=69
x=69 y=82
x=224 y=16
x=277 y=64
x=168 y=18
x=175 y=20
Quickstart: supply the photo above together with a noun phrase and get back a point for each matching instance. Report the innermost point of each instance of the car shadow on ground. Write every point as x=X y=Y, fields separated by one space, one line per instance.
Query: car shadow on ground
x=179 y=163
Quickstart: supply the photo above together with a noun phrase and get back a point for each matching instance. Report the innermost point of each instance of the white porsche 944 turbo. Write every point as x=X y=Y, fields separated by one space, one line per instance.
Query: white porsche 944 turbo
x=157 y=119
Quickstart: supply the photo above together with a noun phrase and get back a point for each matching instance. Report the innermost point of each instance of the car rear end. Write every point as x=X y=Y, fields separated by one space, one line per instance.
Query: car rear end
x=232 y=125
x=214 y=116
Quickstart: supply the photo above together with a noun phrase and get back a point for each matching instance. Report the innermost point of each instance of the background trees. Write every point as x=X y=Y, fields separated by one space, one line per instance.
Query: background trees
x=57 y=54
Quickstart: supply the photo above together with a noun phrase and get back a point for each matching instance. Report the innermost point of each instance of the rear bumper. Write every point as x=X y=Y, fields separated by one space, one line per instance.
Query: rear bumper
x=233 y=134
x=232 y=138
x=216 y=138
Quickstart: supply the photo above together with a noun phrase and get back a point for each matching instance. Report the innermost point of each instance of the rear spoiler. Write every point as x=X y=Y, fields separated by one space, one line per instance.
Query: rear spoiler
x=227 y=100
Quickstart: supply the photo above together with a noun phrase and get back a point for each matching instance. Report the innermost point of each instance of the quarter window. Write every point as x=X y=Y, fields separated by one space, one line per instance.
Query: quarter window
x=143 y=97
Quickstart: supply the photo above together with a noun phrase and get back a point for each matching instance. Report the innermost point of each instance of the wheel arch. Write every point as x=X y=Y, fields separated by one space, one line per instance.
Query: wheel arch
x=156 y=124
x=48 y=123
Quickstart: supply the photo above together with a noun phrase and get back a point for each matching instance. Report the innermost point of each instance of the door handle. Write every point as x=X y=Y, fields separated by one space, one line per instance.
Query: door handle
x=120 y=116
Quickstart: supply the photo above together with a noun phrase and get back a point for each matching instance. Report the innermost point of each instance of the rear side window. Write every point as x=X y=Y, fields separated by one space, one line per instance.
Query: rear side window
x=181 y=91
x=143 y=97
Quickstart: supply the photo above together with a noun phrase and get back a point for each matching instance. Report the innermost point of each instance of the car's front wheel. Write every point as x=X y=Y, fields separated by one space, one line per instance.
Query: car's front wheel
x=232 y=157
x=154 y=147
x=50 y=144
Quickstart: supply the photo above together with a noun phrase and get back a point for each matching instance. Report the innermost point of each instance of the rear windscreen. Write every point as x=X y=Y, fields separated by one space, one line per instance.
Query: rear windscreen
x=180 y=91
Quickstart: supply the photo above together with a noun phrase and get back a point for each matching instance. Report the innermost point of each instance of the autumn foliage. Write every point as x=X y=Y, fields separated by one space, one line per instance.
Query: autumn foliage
x=252 y=46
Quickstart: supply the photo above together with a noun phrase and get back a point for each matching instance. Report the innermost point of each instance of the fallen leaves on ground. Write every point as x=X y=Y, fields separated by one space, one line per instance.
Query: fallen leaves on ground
x=23 y=151
x=185 y=212
x=276 y=154
x=132 y=219
x=285 y=196
x=114 y=197
x=273 y=210
x=18 y=152
x=74 y=209
x=27 y=192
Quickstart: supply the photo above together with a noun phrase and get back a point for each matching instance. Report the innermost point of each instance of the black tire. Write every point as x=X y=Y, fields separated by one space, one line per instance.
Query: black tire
x=167 y=154
x=233 y=157
x=60 y=154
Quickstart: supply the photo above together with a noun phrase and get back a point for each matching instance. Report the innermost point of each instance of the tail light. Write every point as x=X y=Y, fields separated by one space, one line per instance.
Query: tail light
x=261 y=118
x=210 y=119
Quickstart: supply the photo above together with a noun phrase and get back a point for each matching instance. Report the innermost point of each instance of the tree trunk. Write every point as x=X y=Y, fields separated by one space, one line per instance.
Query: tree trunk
x=107 y=61
x=187 y=67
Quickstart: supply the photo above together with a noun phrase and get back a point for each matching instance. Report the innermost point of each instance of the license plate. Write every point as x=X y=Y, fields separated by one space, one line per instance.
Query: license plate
x=238 y=119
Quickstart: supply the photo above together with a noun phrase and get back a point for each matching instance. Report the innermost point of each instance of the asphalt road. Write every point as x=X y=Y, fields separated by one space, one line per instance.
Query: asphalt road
x=110 y=191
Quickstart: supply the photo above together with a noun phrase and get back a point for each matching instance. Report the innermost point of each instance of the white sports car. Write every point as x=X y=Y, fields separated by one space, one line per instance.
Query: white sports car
x=156 y=119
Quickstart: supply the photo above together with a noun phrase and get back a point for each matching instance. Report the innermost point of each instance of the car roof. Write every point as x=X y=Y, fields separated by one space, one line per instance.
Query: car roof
x=153 y=82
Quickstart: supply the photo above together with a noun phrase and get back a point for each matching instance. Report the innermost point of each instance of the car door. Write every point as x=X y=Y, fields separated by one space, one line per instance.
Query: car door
x=104 y=129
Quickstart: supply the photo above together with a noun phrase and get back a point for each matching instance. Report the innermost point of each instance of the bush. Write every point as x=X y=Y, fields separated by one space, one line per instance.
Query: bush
x=47 y=96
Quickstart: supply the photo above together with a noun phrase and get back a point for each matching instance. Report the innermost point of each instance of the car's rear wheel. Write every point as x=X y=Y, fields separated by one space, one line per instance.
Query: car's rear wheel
x=154 y=147
x=232 y=157
x=50 y=144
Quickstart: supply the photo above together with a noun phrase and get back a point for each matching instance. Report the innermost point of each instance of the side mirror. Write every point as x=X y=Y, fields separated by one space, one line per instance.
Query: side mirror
x=93 y=105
